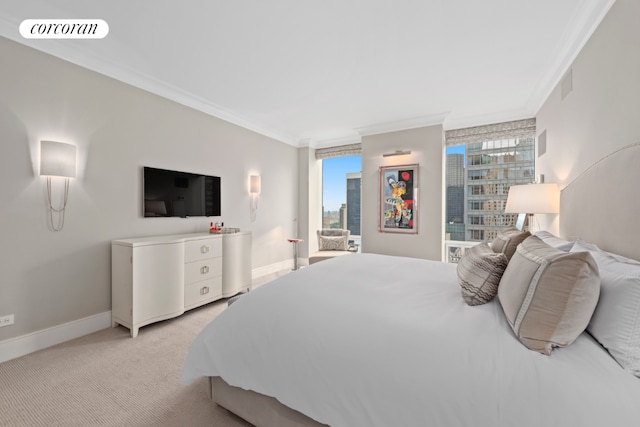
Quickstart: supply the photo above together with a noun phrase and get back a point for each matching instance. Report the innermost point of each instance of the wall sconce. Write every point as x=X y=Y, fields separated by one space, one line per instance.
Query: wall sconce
x=254 y=190
x=57 y=159
x=397 y=153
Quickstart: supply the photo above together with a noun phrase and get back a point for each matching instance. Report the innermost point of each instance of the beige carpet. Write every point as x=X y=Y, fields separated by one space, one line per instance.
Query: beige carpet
x=109 y=379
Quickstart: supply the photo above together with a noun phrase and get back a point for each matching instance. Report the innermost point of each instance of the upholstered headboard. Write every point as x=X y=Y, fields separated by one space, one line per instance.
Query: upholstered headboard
x=602 y=205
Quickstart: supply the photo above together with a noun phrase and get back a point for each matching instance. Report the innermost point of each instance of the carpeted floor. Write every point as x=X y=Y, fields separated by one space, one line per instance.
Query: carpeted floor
x=109 y=379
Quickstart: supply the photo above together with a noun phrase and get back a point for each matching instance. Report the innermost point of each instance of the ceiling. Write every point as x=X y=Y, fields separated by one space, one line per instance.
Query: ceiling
x=327 y=72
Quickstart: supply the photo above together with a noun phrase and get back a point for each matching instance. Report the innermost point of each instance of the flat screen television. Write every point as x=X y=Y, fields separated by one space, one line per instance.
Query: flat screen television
x=168 y=193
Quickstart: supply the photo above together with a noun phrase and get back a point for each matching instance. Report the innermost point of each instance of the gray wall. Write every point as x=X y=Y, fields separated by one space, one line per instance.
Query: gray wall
x=602 y=112
x=49 y=278
x=427 y=149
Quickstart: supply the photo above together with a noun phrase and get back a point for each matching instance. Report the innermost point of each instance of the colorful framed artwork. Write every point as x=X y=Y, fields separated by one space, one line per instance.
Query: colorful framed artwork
x=399 y=199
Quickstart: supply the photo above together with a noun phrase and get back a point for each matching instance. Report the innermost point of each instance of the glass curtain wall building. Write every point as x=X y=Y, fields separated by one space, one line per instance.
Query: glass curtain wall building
x=354 y=186
x=490 y=169
x=454 y=180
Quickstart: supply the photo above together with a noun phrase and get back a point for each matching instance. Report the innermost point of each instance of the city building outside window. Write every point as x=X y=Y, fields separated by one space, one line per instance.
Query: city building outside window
x=482 y=163
x=478 y=178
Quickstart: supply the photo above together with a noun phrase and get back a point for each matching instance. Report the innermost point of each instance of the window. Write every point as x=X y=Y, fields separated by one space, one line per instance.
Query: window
x=341 y=188
x=482 y=163
x=477 y=234
x=476 y=219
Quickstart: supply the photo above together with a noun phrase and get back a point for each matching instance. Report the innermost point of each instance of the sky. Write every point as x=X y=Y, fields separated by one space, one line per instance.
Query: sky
x=334 y=180
x=456 y=149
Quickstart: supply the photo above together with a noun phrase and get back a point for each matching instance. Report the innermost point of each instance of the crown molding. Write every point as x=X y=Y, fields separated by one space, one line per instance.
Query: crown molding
x=334 y=142
x=568 y=47
x=77 y=54
x=375 y=129
x=404 y=124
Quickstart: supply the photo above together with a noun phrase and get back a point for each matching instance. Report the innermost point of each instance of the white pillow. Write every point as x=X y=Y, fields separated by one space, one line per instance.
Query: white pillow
x=554 y=241
x=616 y=320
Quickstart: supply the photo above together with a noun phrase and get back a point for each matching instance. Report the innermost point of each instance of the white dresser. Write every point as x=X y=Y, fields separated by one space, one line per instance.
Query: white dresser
x=236 y=255
x=202 y=271
x=160 y=277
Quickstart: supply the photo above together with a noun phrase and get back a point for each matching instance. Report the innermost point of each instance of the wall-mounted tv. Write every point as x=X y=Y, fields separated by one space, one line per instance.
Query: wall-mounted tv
x=168 y=193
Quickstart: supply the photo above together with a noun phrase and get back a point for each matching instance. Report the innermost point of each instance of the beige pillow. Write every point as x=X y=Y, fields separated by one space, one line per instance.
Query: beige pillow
x=479 y=273
x=508 y=240
x=333 y=243
x=548 y=295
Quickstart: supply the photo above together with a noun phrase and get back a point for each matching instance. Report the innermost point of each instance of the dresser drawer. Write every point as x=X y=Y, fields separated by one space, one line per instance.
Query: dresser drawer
x=199 y=249
x=202 y=292
x=202 y=270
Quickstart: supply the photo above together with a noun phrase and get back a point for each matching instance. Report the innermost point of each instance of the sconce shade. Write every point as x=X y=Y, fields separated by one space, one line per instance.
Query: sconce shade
x=57 y=159
x=254 y=184
x=533 y=198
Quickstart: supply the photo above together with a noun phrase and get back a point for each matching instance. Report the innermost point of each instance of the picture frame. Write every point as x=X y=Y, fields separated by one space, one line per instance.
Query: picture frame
x=399 y=199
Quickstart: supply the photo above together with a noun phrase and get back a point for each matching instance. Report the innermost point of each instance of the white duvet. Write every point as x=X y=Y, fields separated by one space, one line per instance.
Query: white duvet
x=373 y=340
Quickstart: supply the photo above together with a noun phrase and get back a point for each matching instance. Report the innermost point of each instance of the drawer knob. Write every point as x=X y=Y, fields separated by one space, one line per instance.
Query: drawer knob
x=204 y=269
x=204 y=290
x=204 y=249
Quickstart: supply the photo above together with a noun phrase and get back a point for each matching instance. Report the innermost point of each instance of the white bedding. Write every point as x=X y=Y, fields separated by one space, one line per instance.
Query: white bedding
x=373 y=340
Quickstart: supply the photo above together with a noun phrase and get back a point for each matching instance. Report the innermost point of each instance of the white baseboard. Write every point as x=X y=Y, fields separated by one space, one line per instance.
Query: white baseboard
x=266 y=270
x=25 y=344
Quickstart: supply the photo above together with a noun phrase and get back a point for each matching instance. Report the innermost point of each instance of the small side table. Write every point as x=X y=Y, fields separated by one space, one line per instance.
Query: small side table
x=295 y=251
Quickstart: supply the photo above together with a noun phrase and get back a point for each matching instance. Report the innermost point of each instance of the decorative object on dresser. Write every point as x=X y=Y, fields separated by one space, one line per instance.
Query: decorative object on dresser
x=160 y=277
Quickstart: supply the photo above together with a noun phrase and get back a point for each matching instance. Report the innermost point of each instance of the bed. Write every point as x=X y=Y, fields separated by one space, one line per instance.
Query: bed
x=373 y=340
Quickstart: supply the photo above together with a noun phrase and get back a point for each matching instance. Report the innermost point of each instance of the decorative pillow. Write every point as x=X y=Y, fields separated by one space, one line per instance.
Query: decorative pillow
x=616 y=320
x=333 y=243
x=507 y=240
x=548 y=295
x=554 y=241
x=479 y=273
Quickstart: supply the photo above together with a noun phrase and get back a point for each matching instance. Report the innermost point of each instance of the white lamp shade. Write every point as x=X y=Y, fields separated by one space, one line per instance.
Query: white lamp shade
x=533 y=198
x=254 y=184
x=57 y=159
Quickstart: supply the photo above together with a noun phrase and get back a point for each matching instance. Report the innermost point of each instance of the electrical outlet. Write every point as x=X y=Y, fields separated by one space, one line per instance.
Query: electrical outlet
x=6 y=320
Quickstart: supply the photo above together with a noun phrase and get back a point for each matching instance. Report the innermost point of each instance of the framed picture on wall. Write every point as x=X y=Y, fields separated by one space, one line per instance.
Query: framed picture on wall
x=399 y=199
